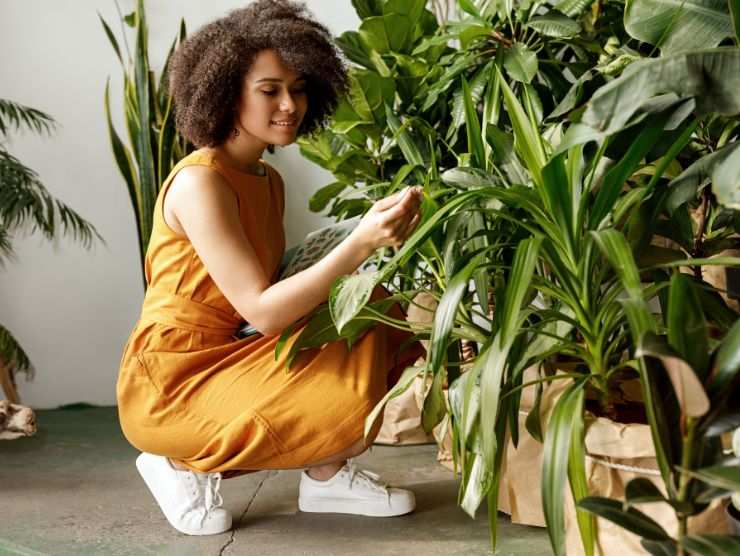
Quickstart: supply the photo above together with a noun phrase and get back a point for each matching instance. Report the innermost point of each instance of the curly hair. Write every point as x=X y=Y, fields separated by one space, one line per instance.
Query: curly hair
x=207 y=70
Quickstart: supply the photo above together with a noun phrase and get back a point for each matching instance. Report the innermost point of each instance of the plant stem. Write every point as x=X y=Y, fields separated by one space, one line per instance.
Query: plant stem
x=684 y=479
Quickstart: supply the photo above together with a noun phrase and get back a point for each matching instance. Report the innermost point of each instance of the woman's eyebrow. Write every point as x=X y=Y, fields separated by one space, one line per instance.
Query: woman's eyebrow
x=277 y=80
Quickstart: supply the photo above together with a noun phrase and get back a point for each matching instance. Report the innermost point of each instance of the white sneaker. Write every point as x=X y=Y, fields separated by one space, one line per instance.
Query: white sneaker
x=353 y=491
x=190 y=501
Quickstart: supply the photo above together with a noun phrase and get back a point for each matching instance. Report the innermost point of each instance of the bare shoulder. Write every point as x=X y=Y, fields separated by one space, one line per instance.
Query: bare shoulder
x=200 y=180
x=196 y=188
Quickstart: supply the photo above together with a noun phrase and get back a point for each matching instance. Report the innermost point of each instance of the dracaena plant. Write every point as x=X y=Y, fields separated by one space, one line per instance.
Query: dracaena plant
x=155 y=146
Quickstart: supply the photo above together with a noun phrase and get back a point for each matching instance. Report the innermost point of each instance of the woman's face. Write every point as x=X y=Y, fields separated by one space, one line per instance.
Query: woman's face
x=273 y=100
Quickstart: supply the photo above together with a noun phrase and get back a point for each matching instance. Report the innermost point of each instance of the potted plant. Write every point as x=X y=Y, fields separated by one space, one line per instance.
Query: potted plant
x=24 y=200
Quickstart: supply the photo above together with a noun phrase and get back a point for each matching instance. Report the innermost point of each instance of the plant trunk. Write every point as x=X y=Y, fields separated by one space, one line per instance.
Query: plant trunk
x=7 y=383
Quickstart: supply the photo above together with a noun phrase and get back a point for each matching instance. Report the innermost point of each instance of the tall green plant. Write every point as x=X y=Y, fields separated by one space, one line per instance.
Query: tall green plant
x=155 y=146
x=24 y=200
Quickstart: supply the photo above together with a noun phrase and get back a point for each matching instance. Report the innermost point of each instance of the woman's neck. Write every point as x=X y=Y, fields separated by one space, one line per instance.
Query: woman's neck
x=242 y=154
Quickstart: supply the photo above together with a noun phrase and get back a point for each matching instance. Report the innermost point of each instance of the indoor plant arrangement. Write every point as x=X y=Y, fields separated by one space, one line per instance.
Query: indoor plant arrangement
x=652 y=126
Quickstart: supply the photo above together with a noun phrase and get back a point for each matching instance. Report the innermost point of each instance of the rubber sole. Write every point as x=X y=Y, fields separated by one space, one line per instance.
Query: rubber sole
x=338 y=506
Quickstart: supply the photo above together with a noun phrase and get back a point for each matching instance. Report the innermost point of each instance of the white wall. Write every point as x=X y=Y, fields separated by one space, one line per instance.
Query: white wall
x=73 y=309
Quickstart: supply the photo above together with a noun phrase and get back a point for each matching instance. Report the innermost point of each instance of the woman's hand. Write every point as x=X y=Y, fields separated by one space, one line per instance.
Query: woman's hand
x=391 y=220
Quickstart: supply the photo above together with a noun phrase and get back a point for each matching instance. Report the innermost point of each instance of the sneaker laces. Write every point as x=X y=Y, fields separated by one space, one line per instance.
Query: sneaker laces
x=367 y=477
x=208 y=495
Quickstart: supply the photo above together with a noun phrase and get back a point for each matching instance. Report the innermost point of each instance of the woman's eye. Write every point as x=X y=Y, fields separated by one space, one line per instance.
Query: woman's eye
x=270 y=93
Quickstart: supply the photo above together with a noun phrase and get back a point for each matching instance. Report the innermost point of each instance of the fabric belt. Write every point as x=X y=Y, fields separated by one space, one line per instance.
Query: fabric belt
x=179 y=312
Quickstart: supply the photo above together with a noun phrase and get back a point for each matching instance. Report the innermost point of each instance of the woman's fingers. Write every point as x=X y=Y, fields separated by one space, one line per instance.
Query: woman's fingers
x=406 y=230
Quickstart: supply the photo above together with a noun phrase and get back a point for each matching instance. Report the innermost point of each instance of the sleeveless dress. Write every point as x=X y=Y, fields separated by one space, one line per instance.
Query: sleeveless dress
x=189 y=389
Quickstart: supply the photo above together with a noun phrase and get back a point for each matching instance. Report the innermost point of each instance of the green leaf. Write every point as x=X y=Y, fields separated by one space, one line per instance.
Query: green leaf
x=368 y=8
x=527 y=140
x=686 y=185
x=712 y=545
x=735 y=16
x=387 y=33
x=354 y=48
x=727 y=362
x=678 y=26
x=434 y=408
x=469 y=7
x=349 y=294
x=632 y=519
x=472 y=127
x=687 y=329
x=726 y=180
x=403 y=384
x=660 y=548
x=711 y=76
x=321 y=198
x=616 y=177
x=111 y=38
x=578 y=480
x=555 y=24
x=444 y=316
x=725 y=476
x=477 y=87
x=555 y=462
x=573 y=7
x=479 y=481
x=405 y=142
x=520 y=63
x=641 y=491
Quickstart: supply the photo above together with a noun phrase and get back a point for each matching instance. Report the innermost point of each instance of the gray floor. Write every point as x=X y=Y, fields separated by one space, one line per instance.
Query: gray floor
x=73 y=490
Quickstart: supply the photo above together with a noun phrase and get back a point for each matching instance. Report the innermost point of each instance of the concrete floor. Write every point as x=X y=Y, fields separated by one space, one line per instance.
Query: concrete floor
x=73 y=490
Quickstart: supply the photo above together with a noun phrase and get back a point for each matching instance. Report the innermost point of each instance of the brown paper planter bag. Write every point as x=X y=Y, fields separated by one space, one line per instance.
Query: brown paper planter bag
x=616 y=454
x=402 y=420
x=402 y=415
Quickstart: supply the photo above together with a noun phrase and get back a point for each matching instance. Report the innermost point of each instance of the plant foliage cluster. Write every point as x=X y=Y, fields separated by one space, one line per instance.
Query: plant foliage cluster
x=581 y=167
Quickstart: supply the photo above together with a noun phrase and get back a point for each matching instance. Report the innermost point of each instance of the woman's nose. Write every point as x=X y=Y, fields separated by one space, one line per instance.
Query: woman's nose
x=287 y=104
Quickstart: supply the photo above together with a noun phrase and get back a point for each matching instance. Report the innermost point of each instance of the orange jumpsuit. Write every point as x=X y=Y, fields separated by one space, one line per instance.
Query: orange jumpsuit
x=190 y=390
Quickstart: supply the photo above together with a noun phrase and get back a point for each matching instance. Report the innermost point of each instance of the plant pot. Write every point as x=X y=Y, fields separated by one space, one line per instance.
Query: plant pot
x=733 y=520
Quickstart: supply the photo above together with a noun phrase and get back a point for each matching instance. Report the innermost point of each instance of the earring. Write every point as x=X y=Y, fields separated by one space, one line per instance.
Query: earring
x=236 y=132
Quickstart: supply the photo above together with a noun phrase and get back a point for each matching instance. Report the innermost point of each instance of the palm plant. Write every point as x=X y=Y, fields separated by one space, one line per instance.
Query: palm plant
x=24 y=200
x=150 y=125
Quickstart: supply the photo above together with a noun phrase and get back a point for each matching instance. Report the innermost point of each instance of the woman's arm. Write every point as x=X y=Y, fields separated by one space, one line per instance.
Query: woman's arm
x=207 y=210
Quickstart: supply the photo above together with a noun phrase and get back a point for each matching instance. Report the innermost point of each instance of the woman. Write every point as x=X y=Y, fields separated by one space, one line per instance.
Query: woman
x=199 y=402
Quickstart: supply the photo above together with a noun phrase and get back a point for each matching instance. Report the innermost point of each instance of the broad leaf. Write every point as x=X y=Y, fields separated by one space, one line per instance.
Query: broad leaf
x=555 y=24
x=678 y=26
x=712 y=545
x=349 y=294
x=726 y=180
x=727 y=362
x=687 y=329
x=520 y=63
x=632 y=519
x=711 y=76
